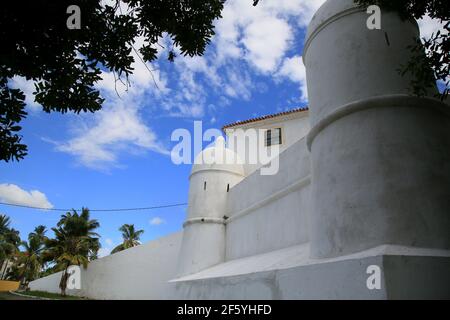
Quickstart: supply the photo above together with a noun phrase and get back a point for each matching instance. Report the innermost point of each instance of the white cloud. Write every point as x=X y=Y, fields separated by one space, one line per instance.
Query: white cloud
x=11 y=193
x=264 y=30
x=189 y=98
x=106 y=250
x=247 y=39
x=156 y=221
x=263 y=53
x=199 y=65
x=294 y=69
x=239 y=84
x=27 y=86
x=103 y=252
x=116 y=128
x=98 y=140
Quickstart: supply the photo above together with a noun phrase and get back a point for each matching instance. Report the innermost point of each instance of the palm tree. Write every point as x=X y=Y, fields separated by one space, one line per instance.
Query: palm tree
x=4 y=223
x=39 y=233
x=75 y=242
x=30 y=261
x=7 y=249
x=9 y=243
x=130 y=237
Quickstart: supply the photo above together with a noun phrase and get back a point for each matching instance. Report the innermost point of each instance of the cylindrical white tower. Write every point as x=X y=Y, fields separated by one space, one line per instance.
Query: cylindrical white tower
x=380 y=157
x=215 y=171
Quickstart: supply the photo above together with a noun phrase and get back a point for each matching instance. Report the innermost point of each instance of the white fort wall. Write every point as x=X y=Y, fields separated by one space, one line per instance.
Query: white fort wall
x=270 y=212
x=141 y=272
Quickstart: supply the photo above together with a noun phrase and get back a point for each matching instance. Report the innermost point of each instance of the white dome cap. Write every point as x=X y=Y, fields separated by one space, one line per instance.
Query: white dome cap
x=218 y=157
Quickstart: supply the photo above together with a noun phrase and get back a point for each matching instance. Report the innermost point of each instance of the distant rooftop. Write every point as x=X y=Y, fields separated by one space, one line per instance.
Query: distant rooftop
x=270 y=116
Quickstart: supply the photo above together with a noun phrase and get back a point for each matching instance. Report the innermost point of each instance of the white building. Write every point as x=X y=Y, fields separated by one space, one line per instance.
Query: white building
x=279 y=130
x=359 y=207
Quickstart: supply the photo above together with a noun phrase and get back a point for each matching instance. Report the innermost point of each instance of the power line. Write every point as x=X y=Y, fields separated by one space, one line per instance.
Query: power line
x=96 y=210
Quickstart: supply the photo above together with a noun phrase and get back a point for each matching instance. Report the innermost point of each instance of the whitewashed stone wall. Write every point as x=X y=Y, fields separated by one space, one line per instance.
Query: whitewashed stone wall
x=141 y=272
x=270 y=212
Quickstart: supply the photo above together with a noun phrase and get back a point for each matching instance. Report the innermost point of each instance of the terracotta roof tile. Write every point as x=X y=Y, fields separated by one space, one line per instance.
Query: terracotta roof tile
x=264 y=117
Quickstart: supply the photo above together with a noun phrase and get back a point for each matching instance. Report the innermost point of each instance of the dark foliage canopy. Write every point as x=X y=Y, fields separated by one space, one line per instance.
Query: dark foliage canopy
x=66 y=63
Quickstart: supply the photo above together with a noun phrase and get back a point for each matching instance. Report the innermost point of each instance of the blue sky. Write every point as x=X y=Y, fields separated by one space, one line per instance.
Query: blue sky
x=120 y=157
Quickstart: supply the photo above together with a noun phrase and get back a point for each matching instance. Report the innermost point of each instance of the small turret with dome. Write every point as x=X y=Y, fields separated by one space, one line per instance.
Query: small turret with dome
x=215 y=170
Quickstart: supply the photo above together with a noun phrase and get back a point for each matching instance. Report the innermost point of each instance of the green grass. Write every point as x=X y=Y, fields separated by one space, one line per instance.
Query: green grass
x=43 y=294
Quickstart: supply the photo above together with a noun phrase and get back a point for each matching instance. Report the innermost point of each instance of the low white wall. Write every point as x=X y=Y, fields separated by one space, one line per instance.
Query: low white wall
x=343 y=278
x=48 y=284
x=141 y=272
x=270 y=212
